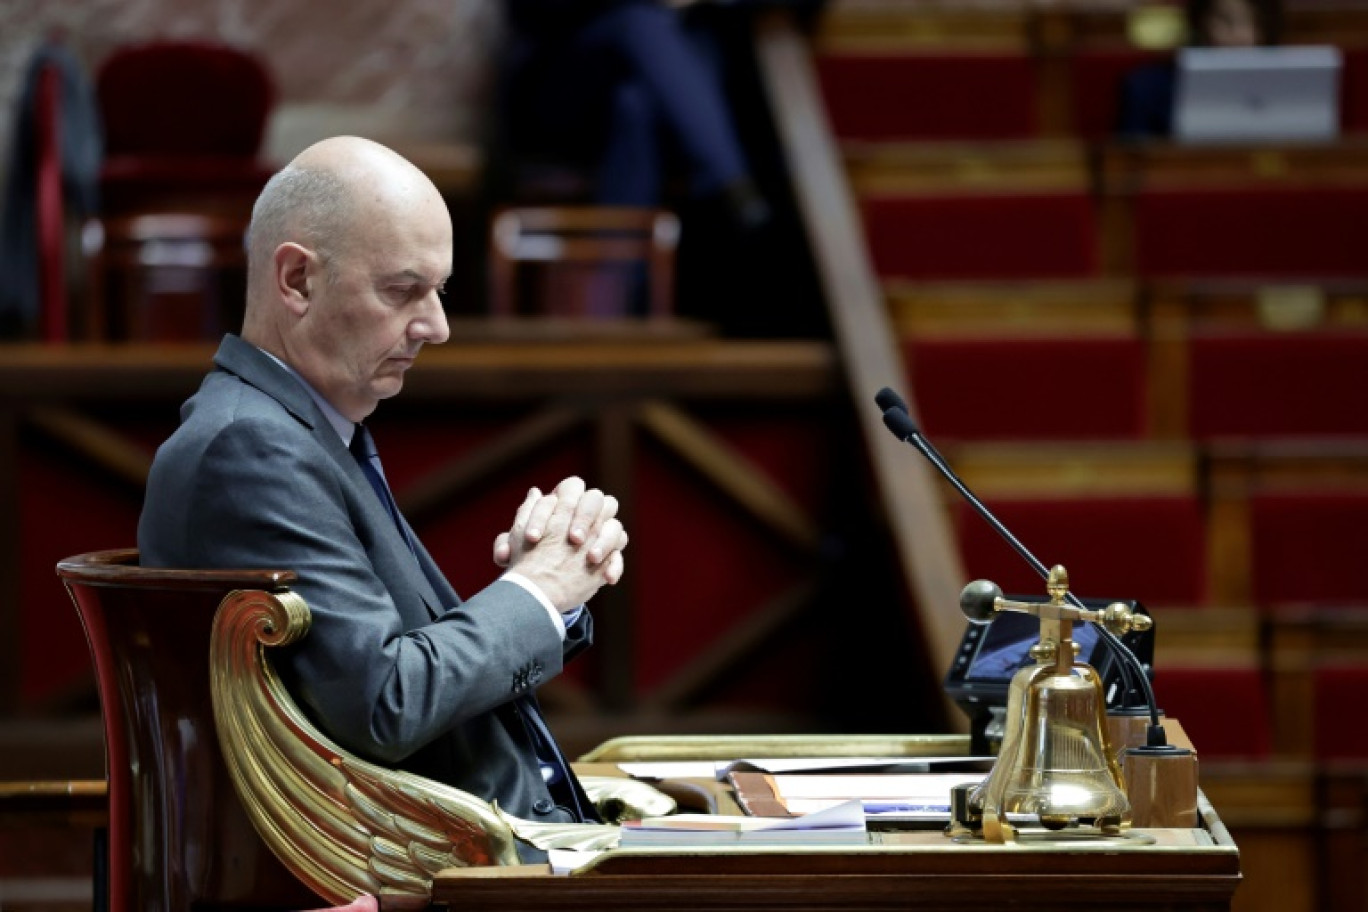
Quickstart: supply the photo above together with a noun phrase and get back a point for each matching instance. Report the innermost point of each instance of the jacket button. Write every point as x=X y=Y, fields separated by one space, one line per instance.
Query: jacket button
x=543 y=806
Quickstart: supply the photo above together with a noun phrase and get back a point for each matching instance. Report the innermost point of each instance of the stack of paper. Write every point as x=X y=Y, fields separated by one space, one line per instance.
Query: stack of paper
x=718 y=769
x=839 y=824
x=909 y=797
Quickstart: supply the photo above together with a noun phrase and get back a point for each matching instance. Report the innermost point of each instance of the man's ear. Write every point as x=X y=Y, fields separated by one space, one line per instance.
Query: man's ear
x=295 y=276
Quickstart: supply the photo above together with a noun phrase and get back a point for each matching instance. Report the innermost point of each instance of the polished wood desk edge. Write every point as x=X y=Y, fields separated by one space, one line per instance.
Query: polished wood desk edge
x=75 y=801
x=731 y=747
x=461 y=369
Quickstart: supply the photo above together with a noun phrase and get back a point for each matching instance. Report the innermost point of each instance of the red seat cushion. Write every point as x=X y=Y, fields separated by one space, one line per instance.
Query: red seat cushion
x=1341 y=692
x=1262 y=232
x=1267 y=384
x=1224 y=710
x=1309 y=547
x=929 y=96
x=1095 y=80
x=983 y=236
x=1146 y=548
x=1029 y=389
x=1354 y=90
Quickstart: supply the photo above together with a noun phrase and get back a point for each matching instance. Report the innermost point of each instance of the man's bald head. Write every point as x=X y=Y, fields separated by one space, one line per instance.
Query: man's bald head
x=348 y=252
x=323 y=194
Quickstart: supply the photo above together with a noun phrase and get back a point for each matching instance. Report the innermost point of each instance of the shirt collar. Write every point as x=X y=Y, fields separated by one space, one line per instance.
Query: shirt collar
x=344 y=426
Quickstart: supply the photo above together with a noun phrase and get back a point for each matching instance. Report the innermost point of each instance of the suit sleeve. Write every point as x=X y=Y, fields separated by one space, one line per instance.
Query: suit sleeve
x=382 y=687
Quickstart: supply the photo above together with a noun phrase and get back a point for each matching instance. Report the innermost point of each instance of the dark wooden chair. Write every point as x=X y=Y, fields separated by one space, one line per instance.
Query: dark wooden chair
x=178 y=836
x=160 y=277
x=184 y=124
x=224 y=795
x=588 y=255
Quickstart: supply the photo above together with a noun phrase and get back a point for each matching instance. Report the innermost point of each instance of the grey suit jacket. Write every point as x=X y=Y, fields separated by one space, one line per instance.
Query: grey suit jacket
x=396 y=667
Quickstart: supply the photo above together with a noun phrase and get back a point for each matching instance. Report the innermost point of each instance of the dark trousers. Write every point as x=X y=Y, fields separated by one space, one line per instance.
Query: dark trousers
x=627 y=91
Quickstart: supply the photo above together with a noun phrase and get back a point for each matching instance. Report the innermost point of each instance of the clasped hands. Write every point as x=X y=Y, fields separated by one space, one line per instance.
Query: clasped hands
x=569 y=542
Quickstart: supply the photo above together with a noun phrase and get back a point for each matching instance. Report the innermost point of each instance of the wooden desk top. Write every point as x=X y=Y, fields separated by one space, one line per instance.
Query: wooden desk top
x=1181 y=869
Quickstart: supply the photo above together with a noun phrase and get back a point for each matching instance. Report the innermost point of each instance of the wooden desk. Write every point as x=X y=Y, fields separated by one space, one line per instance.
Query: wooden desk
x=1182 y=869
x=1196 y=869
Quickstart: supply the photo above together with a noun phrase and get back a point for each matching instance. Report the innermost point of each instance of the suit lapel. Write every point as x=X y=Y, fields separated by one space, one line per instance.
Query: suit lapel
x=395 y=562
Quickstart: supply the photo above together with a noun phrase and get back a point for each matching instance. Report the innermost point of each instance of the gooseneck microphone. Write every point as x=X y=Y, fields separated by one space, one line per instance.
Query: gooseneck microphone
x=978 y=606
x=887 y=399
x=905 y=429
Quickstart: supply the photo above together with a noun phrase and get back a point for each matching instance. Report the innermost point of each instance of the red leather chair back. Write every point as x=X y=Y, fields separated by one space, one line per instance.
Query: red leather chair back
x=179 y=98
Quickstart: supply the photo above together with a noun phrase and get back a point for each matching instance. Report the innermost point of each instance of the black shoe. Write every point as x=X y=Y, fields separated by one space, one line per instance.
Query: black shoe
x=747 y=209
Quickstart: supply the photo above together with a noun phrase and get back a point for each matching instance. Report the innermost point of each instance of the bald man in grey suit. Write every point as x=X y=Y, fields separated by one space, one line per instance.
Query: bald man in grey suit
x=349 y=246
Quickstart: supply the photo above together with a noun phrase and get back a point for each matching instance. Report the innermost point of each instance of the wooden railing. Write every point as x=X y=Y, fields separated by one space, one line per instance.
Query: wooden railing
x=864 y=335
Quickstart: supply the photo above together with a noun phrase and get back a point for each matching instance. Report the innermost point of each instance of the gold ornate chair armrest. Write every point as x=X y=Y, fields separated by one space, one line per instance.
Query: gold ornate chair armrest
x=343 y=826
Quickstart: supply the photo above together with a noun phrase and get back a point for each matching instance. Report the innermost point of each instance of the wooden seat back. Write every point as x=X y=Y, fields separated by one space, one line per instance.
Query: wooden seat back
x=178 y=836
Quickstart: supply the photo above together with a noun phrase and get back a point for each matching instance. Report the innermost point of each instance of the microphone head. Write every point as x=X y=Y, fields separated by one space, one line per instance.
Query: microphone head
x=977 y=600
x=886 y=399
x=900 y=423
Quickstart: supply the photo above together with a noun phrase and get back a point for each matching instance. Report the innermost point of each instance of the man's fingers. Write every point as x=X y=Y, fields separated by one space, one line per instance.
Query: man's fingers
x=524 y=511
x=613 y=568
x=584 y=522
x=570 y=488
x=612 y=537
x=503 y=551
x=539 y=517
x=567 y=496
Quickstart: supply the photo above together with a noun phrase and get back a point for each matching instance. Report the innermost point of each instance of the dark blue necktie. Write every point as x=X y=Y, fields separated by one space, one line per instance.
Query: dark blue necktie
x=363 y=450
x=561 y=780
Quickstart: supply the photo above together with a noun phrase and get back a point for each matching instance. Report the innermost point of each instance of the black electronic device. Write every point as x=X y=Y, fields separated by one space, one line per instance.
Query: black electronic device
x=990 y=654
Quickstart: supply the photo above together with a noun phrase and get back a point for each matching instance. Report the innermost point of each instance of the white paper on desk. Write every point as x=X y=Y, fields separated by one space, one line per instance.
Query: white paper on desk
x=921 y=788
x=676 y=769
x=568 y=861
x=718 y=769
x=832 y=815
x=876 y=809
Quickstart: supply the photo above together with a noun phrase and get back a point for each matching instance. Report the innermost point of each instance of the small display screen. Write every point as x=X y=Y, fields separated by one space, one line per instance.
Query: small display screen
x=1005 y=648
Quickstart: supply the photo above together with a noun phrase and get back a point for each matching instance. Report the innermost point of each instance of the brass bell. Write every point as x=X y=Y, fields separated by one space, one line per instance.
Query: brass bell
x=1056 y=761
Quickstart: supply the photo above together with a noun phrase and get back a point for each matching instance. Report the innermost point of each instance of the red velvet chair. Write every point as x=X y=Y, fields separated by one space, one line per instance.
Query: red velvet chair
x=1269 y=231
x=1146 y=547
x=1095 y=77
x=930 y=96
x=49 y=210
x=1253 y=383
x=1341 y=692
x=1307 y=546
x=1224 y=709
x=585 y=257
x=1002 y=234
x=1029 y=388
x=184 y=123
x=1354 y=90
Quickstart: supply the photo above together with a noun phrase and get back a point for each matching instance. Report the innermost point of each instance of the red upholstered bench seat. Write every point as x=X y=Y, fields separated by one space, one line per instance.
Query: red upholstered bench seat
x=1309 y=546
x=1059 y=387
x=1000 y=235
x=1341 y=692
x=1149 y=548
x=1095 y=78
x=1282 y=231
x=1224 y=709
x=965 y=95
x=1278 y=384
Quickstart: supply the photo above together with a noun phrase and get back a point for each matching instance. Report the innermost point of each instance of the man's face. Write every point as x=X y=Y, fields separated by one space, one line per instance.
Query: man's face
x=375 y=305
